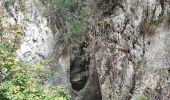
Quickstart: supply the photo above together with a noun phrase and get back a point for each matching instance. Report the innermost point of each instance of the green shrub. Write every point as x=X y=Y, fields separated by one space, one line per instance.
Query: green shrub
x=53 y=7
x=67 y=16
x=22 y=81
x=141 y=98
x=75 y=29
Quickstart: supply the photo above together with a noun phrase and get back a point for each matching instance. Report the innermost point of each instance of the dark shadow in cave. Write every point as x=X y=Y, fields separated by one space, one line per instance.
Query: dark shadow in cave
x=79 y=73
x=83 y=75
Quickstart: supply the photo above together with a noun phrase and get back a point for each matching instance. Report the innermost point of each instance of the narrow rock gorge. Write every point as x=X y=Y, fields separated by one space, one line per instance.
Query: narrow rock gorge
x=122 y=54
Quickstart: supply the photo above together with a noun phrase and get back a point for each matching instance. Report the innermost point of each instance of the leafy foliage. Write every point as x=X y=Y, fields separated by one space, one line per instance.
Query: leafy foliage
x=63 y=4
x=67 y=17
x=141 y=98
x=74 y=28
x=20 y=81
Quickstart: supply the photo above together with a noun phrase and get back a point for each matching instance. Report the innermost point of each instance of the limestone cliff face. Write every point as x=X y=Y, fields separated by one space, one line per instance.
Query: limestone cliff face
x=131 y=51
x=36 y=42
x=126 y=55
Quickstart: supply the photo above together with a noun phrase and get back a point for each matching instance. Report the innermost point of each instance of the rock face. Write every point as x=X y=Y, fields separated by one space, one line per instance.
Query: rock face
x=36 y=41
x=126 y=57
x=131 y=53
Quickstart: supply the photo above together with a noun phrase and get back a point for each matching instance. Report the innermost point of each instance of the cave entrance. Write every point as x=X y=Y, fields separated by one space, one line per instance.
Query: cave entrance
x=79 y=73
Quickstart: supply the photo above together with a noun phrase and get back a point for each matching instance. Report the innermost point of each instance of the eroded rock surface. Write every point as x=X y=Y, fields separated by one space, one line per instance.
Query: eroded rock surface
x=131 y=51
x=128 y=49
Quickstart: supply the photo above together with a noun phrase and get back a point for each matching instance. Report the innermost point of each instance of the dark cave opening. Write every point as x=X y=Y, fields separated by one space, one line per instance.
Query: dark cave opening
x=79 y=73
x=83 y=75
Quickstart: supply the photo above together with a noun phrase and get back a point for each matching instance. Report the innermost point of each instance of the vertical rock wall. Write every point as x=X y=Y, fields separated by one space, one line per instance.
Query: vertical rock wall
x=36 y=41
x=131 y=50
x=128 y=48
